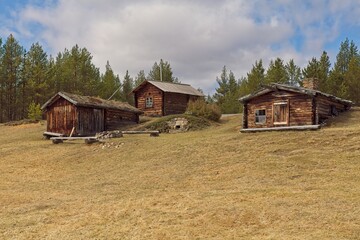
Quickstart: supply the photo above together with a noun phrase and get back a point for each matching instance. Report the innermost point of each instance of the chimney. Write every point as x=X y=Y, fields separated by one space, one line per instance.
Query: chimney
x=311 y=83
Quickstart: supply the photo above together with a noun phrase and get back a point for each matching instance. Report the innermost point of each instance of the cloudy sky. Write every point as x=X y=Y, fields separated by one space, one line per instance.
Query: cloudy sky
x=197 y=37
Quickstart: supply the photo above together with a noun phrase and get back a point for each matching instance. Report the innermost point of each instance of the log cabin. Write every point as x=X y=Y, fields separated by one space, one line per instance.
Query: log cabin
x=84 y=115
x=157 y=98
x=285 y=107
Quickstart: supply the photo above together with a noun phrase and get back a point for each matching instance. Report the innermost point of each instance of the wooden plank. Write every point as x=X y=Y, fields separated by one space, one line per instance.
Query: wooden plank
x=295 y=128
x=88 y=140
x=140 y=132
x=48 y=135
x=72 y=131
x=91 y=140
x=53 y=134
x=72 y=138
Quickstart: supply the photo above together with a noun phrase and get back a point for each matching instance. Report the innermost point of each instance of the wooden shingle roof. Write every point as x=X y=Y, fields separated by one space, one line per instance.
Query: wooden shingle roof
x=91 y=102
x=172 y=88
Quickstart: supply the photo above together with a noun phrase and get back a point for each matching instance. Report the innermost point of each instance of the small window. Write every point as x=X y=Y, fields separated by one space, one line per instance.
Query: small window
x=260 y=116
x=149 y=102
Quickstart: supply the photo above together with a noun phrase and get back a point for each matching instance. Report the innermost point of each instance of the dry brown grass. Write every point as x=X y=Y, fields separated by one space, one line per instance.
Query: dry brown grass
x=211 y=184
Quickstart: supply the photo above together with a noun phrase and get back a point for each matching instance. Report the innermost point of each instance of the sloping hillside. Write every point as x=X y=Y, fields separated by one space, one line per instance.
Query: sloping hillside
x=211 y=184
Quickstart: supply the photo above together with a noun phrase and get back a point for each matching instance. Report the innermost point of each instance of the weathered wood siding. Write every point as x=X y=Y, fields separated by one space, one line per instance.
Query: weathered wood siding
x=90 y=121
x=259 y=103
x=116 y=119
x=175 y=103
x=149 y=90
x=324 y=105
x=61 y=117
x=300 y=109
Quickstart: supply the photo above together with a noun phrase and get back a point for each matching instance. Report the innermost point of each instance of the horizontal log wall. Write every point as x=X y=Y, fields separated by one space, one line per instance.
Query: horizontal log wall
x=300 y=109
x=175 y=103
x=323 y=106
x=116 y=119
x=149 y=90
x=259 y=103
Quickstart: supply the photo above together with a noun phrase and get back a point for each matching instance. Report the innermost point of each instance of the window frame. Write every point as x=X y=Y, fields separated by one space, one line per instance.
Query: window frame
x=258 y=117
x=149 y=102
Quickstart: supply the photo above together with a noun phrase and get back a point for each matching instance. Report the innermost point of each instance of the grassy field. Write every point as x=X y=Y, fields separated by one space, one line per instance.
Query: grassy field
x=211 y=184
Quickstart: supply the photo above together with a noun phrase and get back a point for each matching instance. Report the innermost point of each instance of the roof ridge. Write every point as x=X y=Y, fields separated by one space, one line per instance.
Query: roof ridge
x=185 y=84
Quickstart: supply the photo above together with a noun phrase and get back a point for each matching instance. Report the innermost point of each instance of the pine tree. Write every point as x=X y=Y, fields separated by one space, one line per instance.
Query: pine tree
x=12 y=64
x=223 y=88
x=34 y=111
x=74 y=72
x=227 y=94
x=128 y=85
x=36 y=68
x=110 y=86
x=276 y=72
x=231 y=102
x=140 y=78
x=352 y=77
x=256 y=77
x=337 y=84
x=166 y=72
x=312 y=70
x=293 y=73
x=324 y=70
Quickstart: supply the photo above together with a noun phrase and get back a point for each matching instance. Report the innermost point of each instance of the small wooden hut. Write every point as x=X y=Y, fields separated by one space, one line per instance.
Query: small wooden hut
x=282 y=107
x=85 y=116
x=157 y=98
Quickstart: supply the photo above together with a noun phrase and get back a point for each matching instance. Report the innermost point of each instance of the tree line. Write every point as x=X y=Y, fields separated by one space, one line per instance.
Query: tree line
x=29 y=78
x=341 y=80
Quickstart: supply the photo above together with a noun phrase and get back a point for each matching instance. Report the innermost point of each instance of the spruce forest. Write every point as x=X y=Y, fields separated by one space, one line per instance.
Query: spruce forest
x=28 y=78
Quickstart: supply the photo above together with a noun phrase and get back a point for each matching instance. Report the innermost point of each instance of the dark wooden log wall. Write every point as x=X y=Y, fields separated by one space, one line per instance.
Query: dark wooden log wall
x=323 y=107
x=116 y=119
x=300 y=109
x=90 y=121
x=157 y=95
x=175 y=103
x=61 y=117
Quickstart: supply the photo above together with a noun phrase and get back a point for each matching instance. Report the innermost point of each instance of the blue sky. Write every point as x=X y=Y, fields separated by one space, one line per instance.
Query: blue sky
x=197 y=37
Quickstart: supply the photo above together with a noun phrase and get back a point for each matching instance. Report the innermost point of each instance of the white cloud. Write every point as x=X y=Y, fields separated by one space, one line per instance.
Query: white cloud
x=196 y=37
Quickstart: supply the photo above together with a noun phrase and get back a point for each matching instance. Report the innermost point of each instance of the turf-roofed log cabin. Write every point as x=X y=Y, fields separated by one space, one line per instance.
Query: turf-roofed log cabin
x=84 y=115
x=157 y=98
x=282 y=107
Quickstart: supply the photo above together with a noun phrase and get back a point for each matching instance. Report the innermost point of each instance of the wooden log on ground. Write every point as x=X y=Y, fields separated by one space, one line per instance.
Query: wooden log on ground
x=88 y=140
x=91 y=140
x=288 y=128
x=48 y=135
x=73 y=138
x=152 y=133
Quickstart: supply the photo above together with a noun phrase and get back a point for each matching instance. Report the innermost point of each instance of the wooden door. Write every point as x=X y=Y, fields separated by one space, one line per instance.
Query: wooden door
x=280 y=113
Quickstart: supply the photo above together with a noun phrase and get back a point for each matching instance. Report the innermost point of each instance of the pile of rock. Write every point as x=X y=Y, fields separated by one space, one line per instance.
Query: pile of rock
x=178 y=125
x=108 y=134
